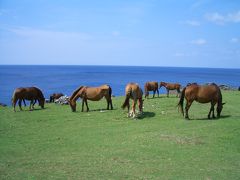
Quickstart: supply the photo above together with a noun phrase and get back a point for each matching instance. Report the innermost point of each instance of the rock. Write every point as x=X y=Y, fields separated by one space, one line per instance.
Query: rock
x=62 y=100
x=3 y=105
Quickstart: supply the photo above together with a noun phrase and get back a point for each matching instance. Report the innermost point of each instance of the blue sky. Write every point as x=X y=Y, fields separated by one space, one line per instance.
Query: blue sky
x=186 y=33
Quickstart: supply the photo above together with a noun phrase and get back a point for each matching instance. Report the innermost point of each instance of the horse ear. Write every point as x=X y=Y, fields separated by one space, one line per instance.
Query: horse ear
x=223 y=103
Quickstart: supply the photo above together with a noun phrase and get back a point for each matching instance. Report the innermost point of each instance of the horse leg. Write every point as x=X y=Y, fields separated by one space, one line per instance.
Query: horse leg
x=20 y=104
x=158 y=92
x=213 y=115
x=14 y=105
x=167 y=92
x=24 y=103
x=31 y=102
x=83 y=104
x=128 y=107
x=178 y=92
x=86 y=105
x=139 y=107
x=109 y=101
x=134 y=108
x=34 y=103
x=154 y=94
x=187 y=107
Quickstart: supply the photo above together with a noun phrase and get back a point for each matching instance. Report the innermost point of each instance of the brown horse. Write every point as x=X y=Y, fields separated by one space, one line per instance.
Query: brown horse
x=29 y=93
x=202 y=94
x=91 y=93
x=170 y=86
x=151 y=86
x=55 y=96
x=134 y=92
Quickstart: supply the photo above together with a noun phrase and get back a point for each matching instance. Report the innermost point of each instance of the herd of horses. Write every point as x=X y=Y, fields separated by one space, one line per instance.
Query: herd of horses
x=192 y=92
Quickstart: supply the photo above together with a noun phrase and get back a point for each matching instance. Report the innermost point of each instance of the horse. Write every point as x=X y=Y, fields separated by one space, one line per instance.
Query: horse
x=170 y=86
x=91 y=93
x=151 y=86
x=55 y=96
x=134 y=92
x=28 y=93
x=202 y=94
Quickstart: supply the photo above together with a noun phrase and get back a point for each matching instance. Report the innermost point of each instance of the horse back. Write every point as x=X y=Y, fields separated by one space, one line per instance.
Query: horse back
x=104 y=87
x=203 y=94
x=134 y=90
x=97 y=93
x=28 y=93
x=151 y=86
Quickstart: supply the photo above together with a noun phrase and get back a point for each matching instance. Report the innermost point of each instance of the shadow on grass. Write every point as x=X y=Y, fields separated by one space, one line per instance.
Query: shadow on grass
x=147 y=115
x=213 y=119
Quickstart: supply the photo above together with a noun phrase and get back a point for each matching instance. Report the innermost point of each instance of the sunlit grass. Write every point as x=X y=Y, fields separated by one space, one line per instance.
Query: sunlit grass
x=56 y=143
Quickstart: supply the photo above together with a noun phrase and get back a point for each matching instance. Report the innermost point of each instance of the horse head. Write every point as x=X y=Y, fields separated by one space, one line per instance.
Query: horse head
x=161 y=84
x=72 y=105
x=219 y=109
x=41 y=102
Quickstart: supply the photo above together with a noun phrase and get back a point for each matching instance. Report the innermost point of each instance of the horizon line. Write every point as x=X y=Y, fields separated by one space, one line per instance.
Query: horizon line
x=119 y=66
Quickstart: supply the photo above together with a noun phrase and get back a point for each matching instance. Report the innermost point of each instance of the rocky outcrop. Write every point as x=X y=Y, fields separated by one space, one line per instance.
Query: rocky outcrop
x=62 y=100
x=2 y=105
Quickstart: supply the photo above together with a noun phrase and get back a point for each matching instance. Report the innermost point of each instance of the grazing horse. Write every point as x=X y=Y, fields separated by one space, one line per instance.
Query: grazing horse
x=55 y=96
x=151 y=86
x=91 y=93
x=28 y=93
x=202 y=94
x=170 y=86
x=134 y=92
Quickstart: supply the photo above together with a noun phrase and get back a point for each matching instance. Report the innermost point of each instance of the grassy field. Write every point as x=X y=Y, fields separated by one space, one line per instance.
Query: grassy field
x=56 y=143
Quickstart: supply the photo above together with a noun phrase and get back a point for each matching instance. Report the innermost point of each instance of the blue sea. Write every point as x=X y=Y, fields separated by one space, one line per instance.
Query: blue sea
x=66 y=79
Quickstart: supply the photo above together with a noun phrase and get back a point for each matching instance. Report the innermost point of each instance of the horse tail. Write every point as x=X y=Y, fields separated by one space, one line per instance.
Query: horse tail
x=219 y=97
x=13 y=97
x=110 y=91
x=75 y=92
x=180 y=103
x=126 y=102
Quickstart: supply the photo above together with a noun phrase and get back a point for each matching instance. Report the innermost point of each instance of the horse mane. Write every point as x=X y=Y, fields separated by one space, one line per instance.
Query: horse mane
x=75 y=92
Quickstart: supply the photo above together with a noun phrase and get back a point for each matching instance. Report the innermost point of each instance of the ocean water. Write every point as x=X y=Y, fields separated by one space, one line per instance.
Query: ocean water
x=66 y=79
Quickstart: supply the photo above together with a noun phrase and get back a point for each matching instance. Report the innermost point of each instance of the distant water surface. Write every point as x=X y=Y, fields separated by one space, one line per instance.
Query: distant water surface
x=65 y=79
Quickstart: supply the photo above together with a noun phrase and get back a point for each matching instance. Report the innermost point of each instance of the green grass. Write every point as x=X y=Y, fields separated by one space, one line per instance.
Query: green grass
x=56 y=143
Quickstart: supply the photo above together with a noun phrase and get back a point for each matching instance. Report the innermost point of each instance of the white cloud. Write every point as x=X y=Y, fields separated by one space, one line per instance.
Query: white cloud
x=39 y=33
x=199 y=42
x=191 y=23
x=234 y=40
x=223 y=19
x=185 y=54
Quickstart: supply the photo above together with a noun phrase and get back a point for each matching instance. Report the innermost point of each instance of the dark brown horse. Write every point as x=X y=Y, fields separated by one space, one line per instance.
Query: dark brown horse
x=134 y=92
x=29 y=93
x=151 y=86
x=91 y=93
x=202 y=94
x=171 y=86
x=55 y=96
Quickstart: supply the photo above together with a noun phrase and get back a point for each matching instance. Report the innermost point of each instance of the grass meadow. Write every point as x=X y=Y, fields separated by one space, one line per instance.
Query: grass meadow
x=55 y=143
